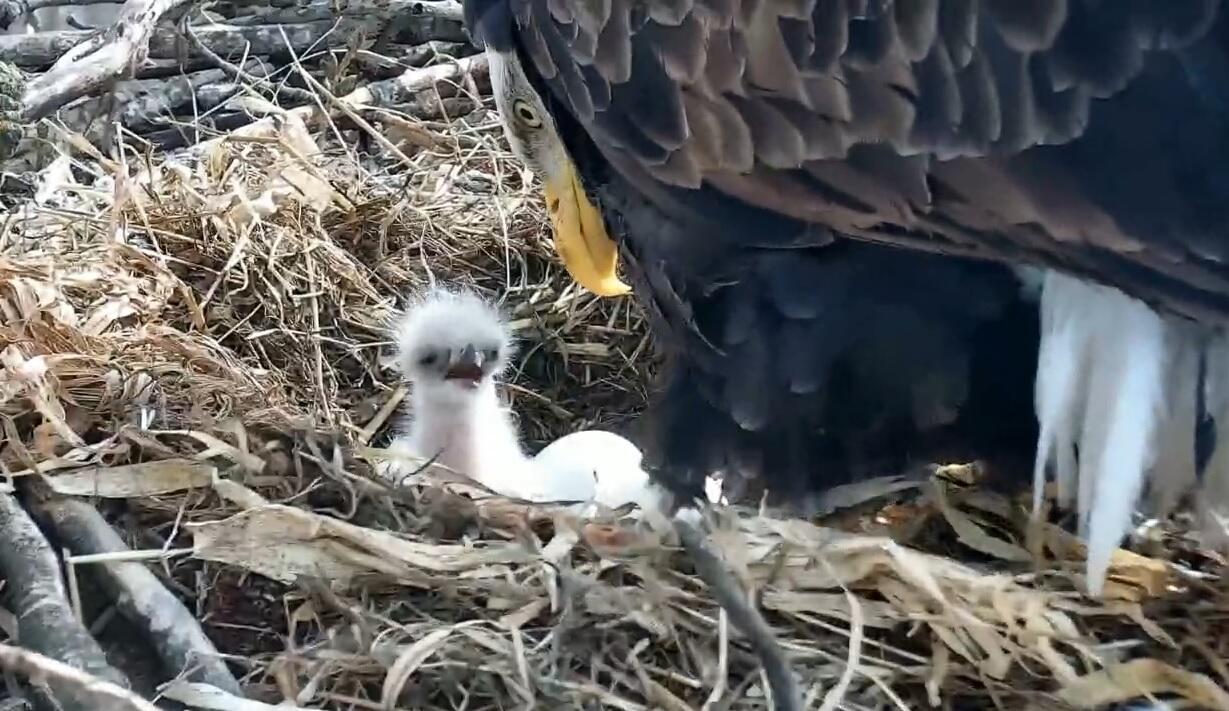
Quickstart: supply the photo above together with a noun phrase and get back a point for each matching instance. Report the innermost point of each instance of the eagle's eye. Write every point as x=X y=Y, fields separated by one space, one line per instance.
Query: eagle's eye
x=526 y=113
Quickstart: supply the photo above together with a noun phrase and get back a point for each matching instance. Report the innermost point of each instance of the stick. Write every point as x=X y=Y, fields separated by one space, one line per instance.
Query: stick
x=177 y=637
x=125 y=46
x=380 y=94
x=255 y=34
x=35 y=592
x=745 y=618
x=88 y=691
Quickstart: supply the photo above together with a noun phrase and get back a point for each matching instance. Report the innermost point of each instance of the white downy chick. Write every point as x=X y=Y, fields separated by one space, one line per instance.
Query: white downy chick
x=452 y=345
x=605 y=468
x=594 y=466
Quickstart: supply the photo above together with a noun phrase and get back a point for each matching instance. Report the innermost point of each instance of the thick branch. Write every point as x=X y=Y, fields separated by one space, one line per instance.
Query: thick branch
x=743 y=615
x=139 y=595
x=438 y=19
x=124 y=46
x=259 y=34
x=87 y=691
x=387 y=93
x=36 y=594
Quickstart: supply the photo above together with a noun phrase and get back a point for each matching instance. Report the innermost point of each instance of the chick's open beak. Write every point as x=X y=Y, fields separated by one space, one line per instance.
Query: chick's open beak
x=587 y=251
x=467 y=368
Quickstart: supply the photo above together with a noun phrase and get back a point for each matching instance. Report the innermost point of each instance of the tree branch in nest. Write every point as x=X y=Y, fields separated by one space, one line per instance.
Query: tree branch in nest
x=177 y=637
x=315 y=26
x=35 y=592
x=89 y=693
x=727 y=592
x=386 y=93
x=124 y=46
x=12 y=9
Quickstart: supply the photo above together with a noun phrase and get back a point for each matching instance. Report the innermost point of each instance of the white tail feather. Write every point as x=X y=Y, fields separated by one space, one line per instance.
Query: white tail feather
x=1174 y=472
x=1213 y=506
x=1101 y=373
x=1056 y=398
x=1133 y=406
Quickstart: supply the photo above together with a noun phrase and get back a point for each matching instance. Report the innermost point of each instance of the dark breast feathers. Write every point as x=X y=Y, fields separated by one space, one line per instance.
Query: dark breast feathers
x=735 y=143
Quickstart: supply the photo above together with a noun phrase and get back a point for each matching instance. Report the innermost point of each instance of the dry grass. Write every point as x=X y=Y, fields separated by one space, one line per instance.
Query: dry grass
x=209 y=329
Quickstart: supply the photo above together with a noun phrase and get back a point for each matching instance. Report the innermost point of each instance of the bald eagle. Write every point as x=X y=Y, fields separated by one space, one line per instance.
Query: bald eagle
x=814 y=198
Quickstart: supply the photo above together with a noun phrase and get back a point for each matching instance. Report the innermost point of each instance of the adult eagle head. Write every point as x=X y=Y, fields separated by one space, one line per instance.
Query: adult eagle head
x=760 y=163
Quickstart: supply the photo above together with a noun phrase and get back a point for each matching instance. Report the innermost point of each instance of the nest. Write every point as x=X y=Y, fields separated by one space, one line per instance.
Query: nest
x=197 y=343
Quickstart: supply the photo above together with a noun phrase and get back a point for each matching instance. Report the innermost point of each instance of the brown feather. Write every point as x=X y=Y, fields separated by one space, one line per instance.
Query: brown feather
x=723 y=73
x=880 y=102
x=824 y=138
x=651 y=100
x=777 y=142
x=682 y=48
x=1027 y=26
x=1063 y=114
x=769 y=65
x=958 y=28
x=1015 y=90
x=799 y=37
x=583 y=46
x=737 y=146
x=613 y=55
x=717 y=14
x=906 y=175
x=706 y=131
x=560 y=11
x=917 y=23
x=1174 y=24
x=877 y=201
x=1098 y=50
x=591 y=15
x=981 y=121
x=871 y=40
x=830 y=23
x=681 y=169
x=827 y=96
x=668 y=12
x=938 y=106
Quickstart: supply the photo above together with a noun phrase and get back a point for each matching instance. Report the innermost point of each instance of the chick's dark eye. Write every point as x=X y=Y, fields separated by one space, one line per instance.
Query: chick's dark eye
x=427 y=359
x=491 y=354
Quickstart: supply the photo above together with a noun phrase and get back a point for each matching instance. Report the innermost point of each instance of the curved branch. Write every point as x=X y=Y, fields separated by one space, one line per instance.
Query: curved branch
x=745 y=618
x=35 y=592
x=180 y=642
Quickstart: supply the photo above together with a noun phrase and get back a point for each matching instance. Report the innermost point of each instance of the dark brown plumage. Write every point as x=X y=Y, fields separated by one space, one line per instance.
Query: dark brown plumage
x=752 y=157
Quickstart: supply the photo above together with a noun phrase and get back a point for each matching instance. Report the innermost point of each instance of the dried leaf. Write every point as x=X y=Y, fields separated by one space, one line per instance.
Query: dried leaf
x=133 y=480
x=203 y=696
x=973 y=536
x=284 y=543
x=1142 y=677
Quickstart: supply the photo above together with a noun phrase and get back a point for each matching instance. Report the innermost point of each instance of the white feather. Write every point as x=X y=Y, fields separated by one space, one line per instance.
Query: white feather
x=1213 y=501
x=1058 y=401
x=1102 y=373
x=1127 y=391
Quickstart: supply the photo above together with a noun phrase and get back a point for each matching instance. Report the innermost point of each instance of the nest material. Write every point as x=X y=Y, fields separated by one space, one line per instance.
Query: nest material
x=210 y=330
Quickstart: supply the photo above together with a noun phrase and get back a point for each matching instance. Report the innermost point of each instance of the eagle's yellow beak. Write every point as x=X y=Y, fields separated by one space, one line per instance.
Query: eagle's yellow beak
x=587 y=251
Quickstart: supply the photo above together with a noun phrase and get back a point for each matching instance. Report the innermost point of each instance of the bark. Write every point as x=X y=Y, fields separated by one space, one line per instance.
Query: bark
x=177 y=637
x=35 y=592
x=258 y=33
x=100 y=61
x=728 y=593
x=86 y=691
